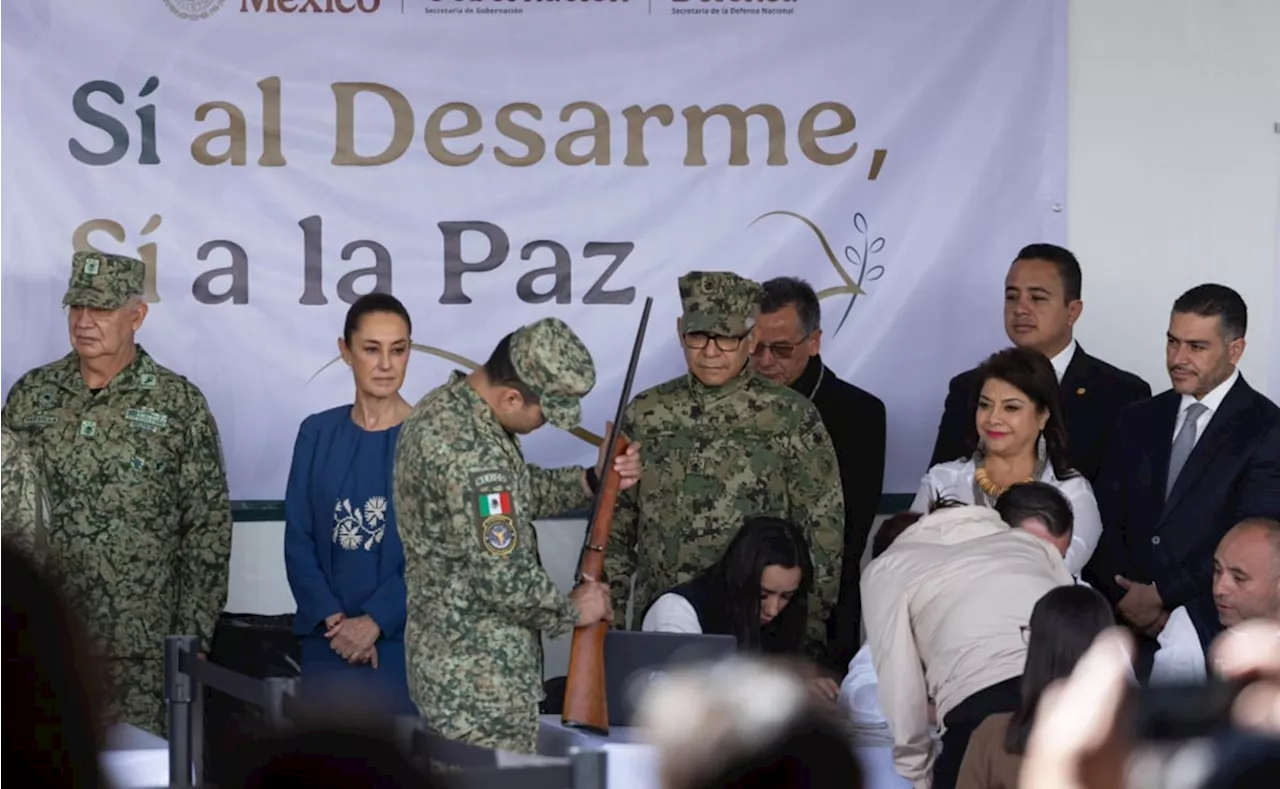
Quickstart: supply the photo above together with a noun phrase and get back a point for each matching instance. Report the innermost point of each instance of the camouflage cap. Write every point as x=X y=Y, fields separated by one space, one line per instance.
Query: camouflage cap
x=103 y=281
x=719 y=302
x=552 y=361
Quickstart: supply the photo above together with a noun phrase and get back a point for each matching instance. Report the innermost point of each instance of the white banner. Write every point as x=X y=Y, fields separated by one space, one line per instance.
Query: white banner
x=496 y=161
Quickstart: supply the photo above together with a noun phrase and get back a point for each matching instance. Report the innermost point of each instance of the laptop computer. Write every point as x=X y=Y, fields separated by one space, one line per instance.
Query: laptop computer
x=634 y=659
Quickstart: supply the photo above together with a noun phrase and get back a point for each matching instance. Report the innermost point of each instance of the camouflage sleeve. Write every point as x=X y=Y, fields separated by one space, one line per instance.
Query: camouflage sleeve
x=556 y=490
x=817 y=504
x=620 y=555
x=204 y=507
x=25 y=505
x=16 y=404
x=504 y=568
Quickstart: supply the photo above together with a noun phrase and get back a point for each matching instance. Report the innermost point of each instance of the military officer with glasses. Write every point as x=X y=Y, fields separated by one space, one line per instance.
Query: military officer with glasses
x=723 y=444
x=788 y=337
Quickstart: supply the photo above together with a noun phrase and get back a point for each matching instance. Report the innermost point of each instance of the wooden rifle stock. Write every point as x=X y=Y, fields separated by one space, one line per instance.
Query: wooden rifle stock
x=586 y=703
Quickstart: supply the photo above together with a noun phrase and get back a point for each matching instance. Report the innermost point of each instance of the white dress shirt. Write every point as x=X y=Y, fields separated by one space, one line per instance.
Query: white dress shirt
x=671 y=613
x=1212 y=402
x=1062 y=359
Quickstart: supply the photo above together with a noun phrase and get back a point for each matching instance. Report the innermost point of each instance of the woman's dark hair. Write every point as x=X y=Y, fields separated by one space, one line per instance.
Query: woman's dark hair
x=763 y=542
x=369 y=304
x=1032 y=373
x=1064 y=624
x=52 y=729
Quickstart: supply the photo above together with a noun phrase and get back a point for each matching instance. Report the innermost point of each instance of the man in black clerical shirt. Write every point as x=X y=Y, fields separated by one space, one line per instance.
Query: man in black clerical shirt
x=789 y=335
x=1041 y=305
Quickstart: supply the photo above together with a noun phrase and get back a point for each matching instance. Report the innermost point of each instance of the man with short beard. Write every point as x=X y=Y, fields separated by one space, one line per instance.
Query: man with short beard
x=1183 y=468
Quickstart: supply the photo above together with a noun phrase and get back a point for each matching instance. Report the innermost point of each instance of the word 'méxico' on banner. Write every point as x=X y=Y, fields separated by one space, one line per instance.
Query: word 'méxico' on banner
x=822 y=135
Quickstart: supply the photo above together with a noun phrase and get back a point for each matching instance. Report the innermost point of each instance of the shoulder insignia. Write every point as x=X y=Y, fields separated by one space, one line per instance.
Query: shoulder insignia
x=495 y=509
x=45 y=399
x=147 y=380
x=499 y=535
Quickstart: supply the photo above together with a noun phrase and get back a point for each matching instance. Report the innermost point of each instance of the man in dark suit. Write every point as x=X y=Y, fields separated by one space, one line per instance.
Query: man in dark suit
x=1183 y=468
x=789 y=335
x=1041 y=305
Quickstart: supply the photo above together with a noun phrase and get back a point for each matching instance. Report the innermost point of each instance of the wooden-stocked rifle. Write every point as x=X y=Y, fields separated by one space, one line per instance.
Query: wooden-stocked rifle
x=585 y=697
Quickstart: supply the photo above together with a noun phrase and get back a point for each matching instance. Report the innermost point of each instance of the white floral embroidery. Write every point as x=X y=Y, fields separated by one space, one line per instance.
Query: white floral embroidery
x=354 y=528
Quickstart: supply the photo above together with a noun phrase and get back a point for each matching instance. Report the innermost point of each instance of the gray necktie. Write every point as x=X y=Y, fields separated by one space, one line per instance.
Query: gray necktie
x=1183 y=444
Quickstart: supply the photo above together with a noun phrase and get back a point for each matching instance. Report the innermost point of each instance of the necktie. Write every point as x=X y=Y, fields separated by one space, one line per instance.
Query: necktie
x=1183 y=444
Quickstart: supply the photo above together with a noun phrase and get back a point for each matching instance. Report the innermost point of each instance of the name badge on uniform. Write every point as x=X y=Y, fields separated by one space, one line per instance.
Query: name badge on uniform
x=146 y=419
x=495 y=512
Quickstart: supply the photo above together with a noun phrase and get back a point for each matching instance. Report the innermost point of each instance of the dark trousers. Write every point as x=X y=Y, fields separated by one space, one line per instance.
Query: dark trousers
x=844 y=626
x=962 y=721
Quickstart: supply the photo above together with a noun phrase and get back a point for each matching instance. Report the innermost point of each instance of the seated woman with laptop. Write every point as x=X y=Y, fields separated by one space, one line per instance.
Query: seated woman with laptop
x=757 y=592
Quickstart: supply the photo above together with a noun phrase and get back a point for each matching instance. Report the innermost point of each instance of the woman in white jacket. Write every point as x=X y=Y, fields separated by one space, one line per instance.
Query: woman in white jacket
x=1017 y=436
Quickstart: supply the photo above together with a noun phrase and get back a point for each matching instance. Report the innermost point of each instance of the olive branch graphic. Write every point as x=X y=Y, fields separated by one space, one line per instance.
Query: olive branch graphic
x=859 y=258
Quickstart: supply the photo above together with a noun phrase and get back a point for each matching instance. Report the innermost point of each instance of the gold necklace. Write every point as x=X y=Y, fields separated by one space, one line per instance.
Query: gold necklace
x=988 y=487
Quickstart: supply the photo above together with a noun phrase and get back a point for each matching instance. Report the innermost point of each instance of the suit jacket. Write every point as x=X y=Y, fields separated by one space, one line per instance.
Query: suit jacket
x=320 y=462
x=856 y=420
x=1233 y=473
x=1093 y=393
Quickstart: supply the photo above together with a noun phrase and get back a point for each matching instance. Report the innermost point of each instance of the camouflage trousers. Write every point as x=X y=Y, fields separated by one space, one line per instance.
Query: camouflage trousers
x=135 y=694
x=509 y=728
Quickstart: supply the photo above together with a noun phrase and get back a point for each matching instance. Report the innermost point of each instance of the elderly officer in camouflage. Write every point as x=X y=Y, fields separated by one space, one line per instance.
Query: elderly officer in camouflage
x=721 y=445
x=25 y=506
x=466 y=500
x=140 y=528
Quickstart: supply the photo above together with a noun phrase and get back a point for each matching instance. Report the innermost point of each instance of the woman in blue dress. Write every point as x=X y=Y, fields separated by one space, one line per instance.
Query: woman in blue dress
x=343 y=555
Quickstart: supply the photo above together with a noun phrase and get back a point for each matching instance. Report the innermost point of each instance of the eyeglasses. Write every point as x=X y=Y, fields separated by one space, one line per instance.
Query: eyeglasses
x=698 y=340
x=1025 y=630
x=780 y=350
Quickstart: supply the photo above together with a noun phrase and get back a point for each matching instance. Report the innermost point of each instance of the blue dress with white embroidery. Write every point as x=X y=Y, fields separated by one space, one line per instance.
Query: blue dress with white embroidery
x=343 y=553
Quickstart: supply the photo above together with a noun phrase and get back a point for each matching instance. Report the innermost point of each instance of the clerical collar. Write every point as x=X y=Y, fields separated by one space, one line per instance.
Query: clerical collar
x=811 y=379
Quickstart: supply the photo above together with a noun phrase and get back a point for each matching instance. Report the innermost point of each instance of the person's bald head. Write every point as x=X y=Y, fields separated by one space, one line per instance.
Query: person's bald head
x=1246 y=572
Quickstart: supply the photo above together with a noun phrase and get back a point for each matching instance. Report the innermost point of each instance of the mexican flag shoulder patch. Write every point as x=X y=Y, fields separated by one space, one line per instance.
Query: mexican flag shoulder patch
x=495 y=504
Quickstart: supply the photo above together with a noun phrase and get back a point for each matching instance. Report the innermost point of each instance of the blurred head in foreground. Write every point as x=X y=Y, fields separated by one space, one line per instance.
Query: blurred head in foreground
x=52 y=735
x=341 y=744
x=745 y=723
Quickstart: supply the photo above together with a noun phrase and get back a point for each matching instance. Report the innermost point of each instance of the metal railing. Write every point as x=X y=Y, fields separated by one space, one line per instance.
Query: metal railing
x=472 y=766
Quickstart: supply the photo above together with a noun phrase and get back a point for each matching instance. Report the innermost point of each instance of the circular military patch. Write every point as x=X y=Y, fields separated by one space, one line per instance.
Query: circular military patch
x=708 y=286
x=499 y=535
x=45 y=399
x=194 y=9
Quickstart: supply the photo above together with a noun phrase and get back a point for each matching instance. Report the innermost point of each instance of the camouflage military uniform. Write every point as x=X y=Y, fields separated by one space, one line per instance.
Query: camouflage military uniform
x=716 y=456
x=25 y=504
x=141 y=523
x=478 y=595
